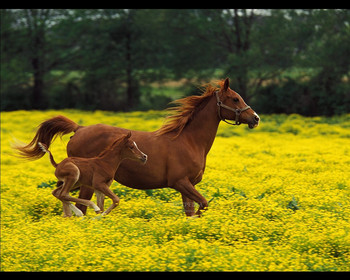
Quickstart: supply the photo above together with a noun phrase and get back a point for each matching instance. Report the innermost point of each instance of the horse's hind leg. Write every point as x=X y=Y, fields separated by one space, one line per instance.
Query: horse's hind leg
x=187 y=190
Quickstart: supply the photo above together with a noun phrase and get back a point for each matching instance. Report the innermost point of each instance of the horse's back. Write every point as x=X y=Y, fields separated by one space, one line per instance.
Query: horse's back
x=90 y=141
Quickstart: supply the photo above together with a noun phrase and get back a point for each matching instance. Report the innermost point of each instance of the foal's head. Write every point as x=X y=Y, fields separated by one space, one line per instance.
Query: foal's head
x=130 y=149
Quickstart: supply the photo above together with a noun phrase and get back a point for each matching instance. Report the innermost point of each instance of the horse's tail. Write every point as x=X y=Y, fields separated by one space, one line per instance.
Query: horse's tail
x=44 y=148
x=46 y=134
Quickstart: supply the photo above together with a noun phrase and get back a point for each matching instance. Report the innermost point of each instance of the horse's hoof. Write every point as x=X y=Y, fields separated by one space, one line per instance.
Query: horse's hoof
x=192 y=217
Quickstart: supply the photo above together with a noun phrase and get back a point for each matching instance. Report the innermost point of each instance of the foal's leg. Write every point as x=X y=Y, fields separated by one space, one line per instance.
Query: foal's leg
x=76 y=210
x=84 y=193
x=105 y=190
x=67 y=206
x=66 y=210
x=100 y=197
x=69 y=183
x=186 y=188
x=67 y=197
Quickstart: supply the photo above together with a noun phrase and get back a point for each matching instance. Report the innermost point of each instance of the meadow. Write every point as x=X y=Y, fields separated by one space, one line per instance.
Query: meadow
x=280 y=202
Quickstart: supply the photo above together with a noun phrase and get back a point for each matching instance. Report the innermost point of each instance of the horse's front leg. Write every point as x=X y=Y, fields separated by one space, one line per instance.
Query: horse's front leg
x=186 y=188
x=188 y=205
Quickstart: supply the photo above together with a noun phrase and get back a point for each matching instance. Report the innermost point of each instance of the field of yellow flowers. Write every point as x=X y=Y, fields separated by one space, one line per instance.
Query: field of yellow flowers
x=281 y=201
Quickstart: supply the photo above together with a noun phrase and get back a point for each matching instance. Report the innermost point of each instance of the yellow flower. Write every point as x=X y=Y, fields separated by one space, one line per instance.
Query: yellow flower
x=281 y=202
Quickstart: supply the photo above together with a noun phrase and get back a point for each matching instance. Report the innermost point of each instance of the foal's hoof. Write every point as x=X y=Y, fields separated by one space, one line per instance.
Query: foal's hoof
x=99 y=217
x=76 y=210
x=192 y=217
x=96 y=208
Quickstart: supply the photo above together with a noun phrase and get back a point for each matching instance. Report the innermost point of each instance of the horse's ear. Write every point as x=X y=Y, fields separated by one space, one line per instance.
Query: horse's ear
x=226 y=83
x=127 y=136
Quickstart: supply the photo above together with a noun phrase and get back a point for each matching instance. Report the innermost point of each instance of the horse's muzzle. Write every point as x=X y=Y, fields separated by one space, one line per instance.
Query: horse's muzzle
x=144 y=158
x=254 y=122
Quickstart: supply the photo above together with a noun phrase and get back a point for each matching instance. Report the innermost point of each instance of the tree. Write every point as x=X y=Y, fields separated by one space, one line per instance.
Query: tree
x=30 y=37
x=14 y=68
x=105 y=59
x=120 y=51
x=246 y=44
x=329 y=54
x=322 y=57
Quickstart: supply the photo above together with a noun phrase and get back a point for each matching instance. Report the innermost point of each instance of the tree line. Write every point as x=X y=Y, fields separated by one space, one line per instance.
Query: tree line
x=280 y=61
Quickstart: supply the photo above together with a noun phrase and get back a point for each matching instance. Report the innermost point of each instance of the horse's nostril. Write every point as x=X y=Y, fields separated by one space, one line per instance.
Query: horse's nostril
x=257 y=118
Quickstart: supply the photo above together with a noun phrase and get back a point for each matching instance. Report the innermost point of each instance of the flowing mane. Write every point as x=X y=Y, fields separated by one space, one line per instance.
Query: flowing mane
x=115 y=144
x=185 y=108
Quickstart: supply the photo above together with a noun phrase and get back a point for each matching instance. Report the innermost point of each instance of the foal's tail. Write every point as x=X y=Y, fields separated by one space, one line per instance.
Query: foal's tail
x=46 y=134
x=44 y=148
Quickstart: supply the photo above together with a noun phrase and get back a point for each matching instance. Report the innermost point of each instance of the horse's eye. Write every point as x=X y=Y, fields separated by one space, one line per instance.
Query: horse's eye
x=235 y=99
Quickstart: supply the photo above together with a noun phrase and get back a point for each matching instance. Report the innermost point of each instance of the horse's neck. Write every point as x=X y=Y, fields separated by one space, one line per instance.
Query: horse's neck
x=111 y=158
x=204 y=125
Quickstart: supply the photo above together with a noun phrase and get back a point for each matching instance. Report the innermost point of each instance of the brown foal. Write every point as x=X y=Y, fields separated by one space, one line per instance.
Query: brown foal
x=97 y=173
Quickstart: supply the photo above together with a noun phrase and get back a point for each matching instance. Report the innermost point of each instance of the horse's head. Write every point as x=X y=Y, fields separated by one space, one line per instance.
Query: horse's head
x=131 y=150
x=231 y=106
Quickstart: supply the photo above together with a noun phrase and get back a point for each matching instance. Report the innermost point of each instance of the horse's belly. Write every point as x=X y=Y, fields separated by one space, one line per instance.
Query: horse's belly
x=136 y=176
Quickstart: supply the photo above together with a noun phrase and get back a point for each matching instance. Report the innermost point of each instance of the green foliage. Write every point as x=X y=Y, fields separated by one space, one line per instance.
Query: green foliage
x=50 y=184
x=293 y=204
x=118 y=59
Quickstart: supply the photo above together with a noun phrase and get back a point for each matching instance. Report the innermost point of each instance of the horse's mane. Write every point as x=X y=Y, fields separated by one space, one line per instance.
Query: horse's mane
x=185 y=108
x=114 y=144
x=108 y=148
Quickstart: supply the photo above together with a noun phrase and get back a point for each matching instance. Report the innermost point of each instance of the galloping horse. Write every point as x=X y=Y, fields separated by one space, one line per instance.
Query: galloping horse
x=176 y=152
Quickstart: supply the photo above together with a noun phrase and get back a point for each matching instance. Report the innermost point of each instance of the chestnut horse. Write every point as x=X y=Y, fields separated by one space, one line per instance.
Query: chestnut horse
x=176 y=152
